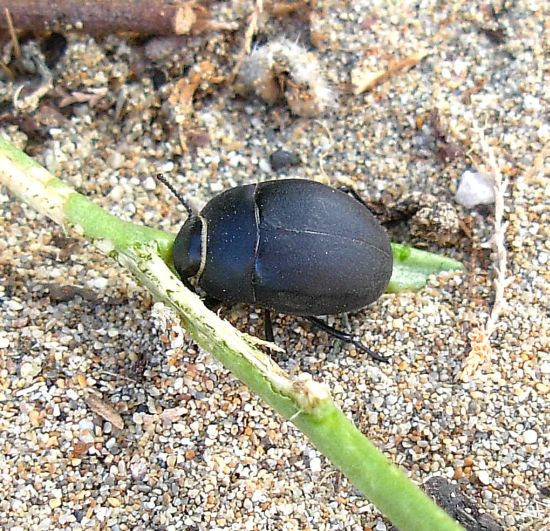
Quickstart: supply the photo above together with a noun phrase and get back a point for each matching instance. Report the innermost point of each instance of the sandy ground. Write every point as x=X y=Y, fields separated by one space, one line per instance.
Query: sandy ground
x=223 y=460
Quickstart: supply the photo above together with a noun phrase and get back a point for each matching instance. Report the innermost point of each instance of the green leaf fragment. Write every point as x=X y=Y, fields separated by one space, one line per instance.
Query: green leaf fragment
x=412 y=267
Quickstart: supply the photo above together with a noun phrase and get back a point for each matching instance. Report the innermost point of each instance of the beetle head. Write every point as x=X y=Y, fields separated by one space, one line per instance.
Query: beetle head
x=187 y=251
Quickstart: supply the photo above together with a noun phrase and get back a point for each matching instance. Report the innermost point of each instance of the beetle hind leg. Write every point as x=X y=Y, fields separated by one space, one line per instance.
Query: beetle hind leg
x=344 y=336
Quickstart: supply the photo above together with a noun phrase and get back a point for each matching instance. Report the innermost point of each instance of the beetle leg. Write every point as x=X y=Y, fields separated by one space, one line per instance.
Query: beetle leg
x=349 y=190
x=268 y=327
x=344 y=336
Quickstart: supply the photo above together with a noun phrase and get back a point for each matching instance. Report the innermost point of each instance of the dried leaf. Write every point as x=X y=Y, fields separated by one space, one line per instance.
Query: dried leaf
x=173 y=413
x=105 y=411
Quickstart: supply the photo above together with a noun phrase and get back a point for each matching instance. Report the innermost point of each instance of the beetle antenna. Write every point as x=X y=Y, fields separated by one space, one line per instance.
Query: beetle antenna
x=175 y=193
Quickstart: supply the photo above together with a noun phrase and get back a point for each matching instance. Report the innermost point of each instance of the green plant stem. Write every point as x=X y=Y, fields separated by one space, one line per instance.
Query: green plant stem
x=306 y=403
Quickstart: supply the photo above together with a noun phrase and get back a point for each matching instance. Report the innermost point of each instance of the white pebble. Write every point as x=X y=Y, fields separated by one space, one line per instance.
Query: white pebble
x=86 y=430
x=258 y=497
x=483 y=477
x=264 y=165
x=14 y=305
x=475 y=189
x=98 y=283
x=117 y=193
x=138 y=471
x=234 y=160
x=4 y=342
x=30 y=369
x=212 y=431
x=315 y=465
x=543 y=132
x=530 y=436
x=116 y=160
x=216 y=187
x=150 y=184
x=72 y=394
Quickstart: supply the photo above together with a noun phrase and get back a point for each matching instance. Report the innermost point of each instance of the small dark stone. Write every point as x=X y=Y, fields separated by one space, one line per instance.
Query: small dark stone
x=281 y=159
x=465 y=510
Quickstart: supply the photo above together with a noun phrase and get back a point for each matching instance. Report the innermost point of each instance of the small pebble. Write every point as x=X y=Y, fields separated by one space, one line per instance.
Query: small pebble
x=281 y=159
x=483 y=477
x=86 y=430
x=530 y=436
x=30 y=369
x=315 y=465
x=475 y=189
x=150 y=184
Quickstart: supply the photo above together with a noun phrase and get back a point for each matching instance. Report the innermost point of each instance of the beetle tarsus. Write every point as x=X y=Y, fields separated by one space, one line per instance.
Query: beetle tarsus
x=268 y=327
x=344 y=336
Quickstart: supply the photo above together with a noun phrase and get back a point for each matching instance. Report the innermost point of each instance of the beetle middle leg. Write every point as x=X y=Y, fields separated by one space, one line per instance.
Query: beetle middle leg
x=344 y=336
x=268 y=327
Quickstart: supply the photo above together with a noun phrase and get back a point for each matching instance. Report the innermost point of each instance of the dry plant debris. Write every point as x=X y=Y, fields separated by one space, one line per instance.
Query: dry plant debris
x=284 y=69
x=480 y=337
x=104 y=410
x=363 y=79
x=180 y=100
x=251 y=30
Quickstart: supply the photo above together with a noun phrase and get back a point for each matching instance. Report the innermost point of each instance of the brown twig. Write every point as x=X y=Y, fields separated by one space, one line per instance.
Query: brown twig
x=479 y=337
x=13 y=36
x=363 y=79
x=149 y=17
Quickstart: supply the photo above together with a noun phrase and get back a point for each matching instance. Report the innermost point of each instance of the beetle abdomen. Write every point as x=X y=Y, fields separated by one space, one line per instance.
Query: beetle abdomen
x=319 y=252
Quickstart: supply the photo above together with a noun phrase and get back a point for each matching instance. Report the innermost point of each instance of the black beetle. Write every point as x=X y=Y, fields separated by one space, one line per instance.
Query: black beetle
x=292 y=246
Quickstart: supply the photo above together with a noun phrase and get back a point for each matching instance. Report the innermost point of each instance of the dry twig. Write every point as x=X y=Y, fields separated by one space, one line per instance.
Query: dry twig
x=13 y=36
x=363 y=80
x=479 y=337
x=149 y=17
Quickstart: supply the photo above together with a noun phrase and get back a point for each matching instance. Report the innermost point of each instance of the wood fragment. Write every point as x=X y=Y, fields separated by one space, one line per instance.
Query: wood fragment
x=284 y=9
x=363 y=80
x=104 y=410
x=13 y=36
x=145 y=17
